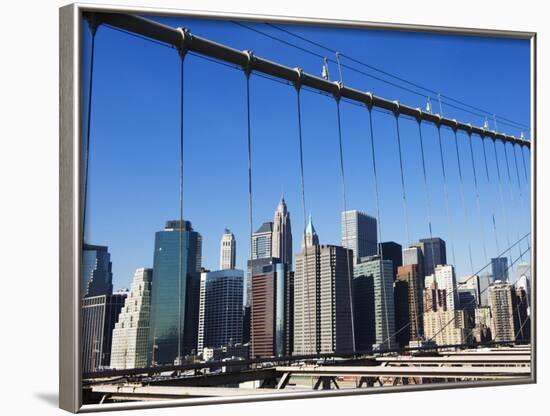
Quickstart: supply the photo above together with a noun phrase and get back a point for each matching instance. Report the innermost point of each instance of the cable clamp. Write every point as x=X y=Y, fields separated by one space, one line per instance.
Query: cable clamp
x=397 y=111
x=338 y=92
x=250 y=59
x=455 y=121
x=370 y=100
x=470 y=129
x=185 y=40
x=419 y=115
x=92 y=23
x=299 y=75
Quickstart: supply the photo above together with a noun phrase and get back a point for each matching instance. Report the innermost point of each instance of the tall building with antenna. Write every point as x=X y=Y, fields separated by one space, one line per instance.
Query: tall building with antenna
x=281 y=240
x=228 y=250
x=323 y=319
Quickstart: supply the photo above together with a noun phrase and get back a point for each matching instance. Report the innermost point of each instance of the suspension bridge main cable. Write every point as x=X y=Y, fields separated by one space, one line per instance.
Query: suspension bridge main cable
x=504 y=120
x=167 y=34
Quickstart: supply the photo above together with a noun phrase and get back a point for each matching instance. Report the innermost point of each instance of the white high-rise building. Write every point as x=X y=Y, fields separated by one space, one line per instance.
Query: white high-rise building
x=129 y=347
x=445 y=279
x=281 y=240
x=228 y=250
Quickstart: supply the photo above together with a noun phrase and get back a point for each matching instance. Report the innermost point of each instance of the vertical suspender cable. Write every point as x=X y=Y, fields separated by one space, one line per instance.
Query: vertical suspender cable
x=524 y=166
x=344 y=202
x=247 y=71
x=505 y=217
x=527 y=184
x=521 y=200
x=464 y=207
x=403 y=192
x=489 y=183
x=446 y=192
x=182 y=52
x=428 y=203
x=476 y=189
x=305 y=264
x=379 y=223
x=510 y=182
x=93 y=29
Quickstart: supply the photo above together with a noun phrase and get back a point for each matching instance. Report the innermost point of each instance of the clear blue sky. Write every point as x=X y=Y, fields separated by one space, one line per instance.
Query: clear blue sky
x=134 y=166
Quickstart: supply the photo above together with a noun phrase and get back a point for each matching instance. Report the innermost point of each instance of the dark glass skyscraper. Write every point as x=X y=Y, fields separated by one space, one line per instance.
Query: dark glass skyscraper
x=434 y=252
x=390 y=250
x=99 y=316
x=499 y=268
x=174 y=302
x=97 y=275
x=221 y=309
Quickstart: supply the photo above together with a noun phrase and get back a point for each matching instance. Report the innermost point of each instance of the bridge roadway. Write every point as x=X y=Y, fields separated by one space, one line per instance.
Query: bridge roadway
x=353 y=373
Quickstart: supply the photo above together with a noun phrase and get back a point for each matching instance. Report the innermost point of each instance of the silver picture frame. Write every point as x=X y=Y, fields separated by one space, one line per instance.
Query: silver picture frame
x=70 y=201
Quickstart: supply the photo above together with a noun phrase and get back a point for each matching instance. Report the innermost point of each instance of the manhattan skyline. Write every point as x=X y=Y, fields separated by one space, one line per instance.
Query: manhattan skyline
x=134 y=167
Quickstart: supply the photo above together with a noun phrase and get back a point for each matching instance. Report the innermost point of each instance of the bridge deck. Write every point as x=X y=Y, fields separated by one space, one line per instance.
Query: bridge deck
x=411 y=371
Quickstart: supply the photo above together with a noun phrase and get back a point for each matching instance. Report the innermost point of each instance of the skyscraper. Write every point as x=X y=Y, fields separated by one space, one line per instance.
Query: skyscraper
x=374 y=330
x=444 y=323
x=499 y=268
x=97 y=275
x=523 y=281
x=221 y=308
x=281 y=240
x=129 y=348
x=270 y=307
x=99 y=315
x=262 y=241
x=445 y=327
x=413 y=255
x=501 y=303
x=322 y=298
x=310 y=238
x=445 y=278
x=390 y=250
x=434 y=252
x=359 y=234
x=228 y=250
x=522 y=320
x=175 y=296
x=409 y=306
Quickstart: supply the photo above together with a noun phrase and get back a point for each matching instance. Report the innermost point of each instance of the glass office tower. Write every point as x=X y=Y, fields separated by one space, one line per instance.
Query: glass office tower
x=97 y=275
x=174 y=301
